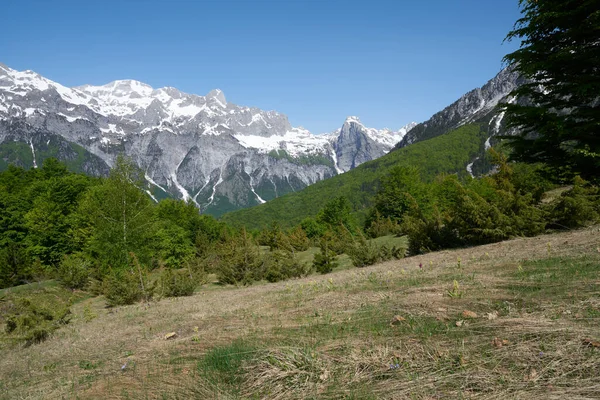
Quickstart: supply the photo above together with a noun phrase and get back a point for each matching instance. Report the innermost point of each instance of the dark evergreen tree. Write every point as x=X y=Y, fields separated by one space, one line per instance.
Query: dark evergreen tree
x=325 y=261
x=558 y=112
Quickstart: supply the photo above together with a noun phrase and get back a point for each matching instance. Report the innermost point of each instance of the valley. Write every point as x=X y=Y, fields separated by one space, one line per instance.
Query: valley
x=161 y=244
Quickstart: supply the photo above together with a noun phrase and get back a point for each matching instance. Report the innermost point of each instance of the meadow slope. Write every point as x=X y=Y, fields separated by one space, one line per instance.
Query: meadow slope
x=516 y=319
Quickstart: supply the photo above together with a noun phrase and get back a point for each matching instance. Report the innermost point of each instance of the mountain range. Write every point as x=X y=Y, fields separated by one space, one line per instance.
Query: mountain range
x=200 y=148
x=217 y=154
x=453 y=141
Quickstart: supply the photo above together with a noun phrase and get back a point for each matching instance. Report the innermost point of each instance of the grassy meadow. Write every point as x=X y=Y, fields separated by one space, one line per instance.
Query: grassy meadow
x=516 y=319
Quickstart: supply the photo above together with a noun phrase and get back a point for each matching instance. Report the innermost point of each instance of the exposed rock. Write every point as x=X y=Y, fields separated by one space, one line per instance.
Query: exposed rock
x=220 y=155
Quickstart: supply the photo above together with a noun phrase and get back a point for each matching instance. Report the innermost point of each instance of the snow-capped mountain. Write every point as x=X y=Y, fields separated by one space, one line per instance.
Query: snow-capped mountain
x=355 y=144
x=220 y=155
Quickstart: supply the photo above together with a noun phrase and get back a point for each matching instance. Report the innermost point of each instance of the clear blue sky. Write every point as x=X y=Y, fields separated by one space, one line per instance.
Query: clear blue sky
x=318 y=61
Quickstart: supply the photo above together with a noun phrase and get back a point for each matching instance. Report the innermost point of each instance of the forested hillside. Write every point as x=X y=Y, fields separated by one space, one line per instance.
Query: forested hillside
x=449 y=154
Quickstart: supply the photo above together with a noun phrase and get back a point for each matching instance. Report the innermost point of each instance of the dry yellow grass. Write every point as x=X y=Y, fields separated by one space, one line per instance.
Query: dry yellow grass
x=330 y=336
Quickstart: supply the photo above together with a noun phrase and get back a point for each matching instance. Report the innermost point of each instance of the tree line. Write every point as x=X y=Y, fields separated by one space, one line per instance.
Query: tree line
x=107 y=235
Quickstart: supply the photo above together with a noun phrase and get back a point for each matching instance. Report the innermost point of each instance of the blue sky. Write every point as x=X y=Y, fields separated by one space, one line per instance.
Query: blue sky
x=318 y=61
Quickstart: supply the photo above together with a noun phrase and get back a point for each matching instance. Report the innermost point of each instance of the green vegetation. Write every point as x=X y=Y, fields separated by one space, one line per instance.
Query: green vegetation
x=449 y=153
x=30 y=313
x=555 y=276
x=558 y=57
x=101 y=234
x=15 y=153
x=76 y=158
x=32 y=322
x=223 y=366
x=447 y=213
x=505 y=320
x=178 y=283
x=108 y=237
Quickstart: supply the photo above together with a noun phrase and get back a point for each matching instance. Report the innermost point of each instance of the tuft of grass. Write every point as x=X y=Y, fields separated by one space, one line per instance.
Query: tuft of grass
x=281 y=371
x=222 y=366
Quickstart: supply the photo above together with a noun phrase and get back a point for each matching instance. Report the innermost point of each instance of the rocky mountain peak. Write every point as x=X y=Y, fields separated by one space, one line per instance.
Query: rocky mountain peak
x=478 y=105
x=353 y=120
x=218 y=95
x=167 y=92
x=126 y=88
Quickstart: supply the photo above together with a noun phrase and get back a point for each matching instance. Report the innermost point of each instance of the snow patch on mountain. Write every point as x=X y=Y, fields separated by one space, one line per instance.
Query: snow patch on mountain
x=295 y=142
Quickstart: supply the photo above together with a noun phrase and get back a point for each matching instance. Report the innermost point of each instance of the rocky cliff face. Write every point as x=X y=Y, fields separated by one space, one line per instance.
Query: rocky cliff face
x=478 y=105
x=355 y=144
x=220 y=155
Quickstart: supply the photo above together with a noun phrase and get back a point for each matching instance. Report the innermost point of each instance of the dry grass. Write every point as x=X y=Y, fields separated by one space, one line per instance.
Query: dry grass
x=331 y=336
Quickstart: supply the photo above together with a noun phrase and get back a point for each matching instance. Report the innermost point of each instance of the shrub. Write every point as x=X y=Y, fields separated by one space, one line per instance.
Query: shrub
x=387 y=253
x=475 y=220
x=484 y=211
x=427 y=233
x=377 y=226
x=298 y=239
x=339 y=239
x=364 y=252
x=274 y=238
x=398 y=252
x=33 y=323
x=197 y=268
x=96 y=287
x=176 y=283
x=127 y=286
x=282 y=265
x=122 y=287
x=576 y=207
x=239 y=261
x=74 y=271
x=324 y=261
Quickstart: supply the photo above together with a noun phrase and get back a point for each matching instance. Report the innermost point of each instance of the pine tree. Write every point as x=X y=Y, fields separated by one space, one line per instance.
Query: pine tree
x=558 y=112
x=325 y=261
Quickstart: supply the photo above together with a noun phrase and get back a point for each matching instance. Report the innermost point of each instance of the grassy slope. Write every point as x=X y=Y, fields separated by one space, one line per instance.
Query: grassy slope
x=449 y=153
x=336 y=336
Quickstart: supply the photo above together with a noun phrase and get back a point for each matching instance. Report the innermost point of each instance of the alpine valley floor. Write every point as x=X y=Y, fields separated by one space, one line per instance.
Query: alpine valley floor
x=516 y=319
